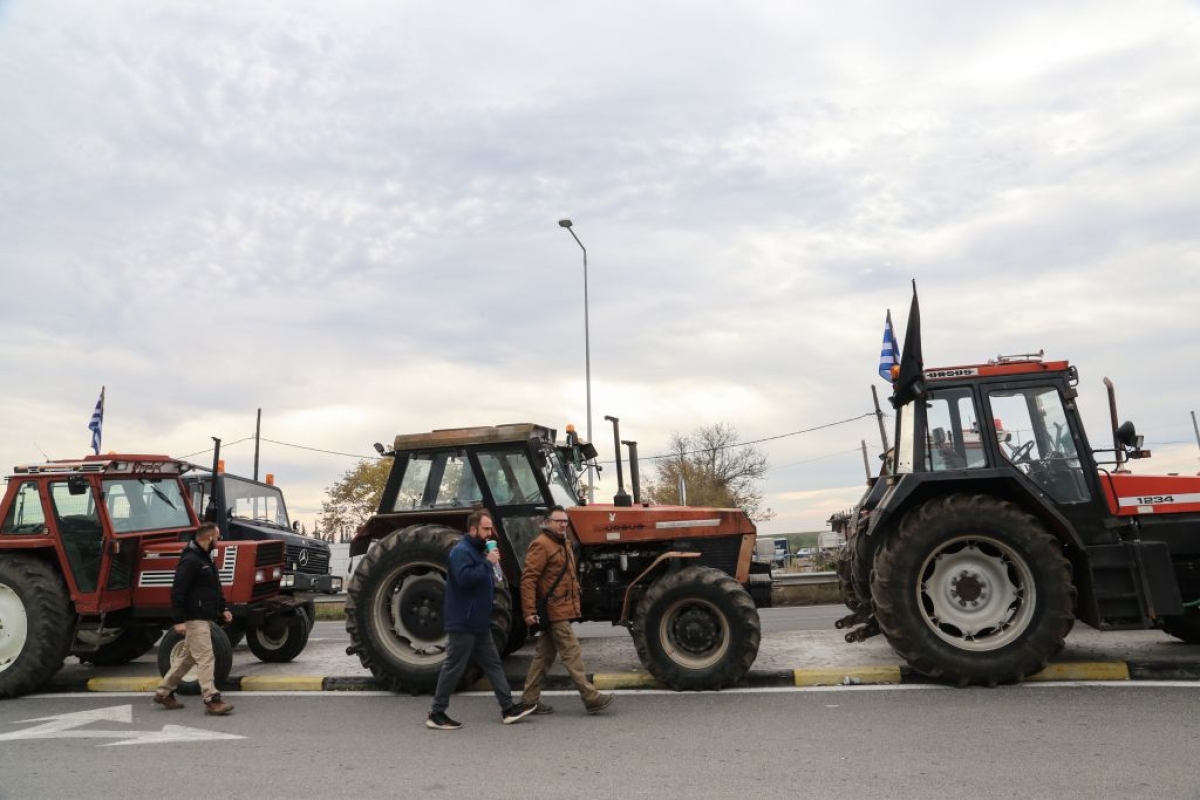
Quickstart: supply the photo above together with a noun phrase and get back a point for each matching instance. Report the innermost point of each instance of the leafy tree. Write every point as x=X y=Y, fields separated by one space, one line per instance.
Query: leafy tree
x=717 y=472
x=355 y=497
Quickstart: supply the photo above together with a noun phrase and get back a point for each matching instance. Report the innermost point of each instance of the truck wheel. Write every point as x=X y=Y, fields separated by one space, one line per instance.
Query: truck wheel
x=697 y=628
x=1186 y=627
x=170 y=649
x=281 y=640
x=973 y=590
x=117 y=646
x=394 y=609
x=36 y=624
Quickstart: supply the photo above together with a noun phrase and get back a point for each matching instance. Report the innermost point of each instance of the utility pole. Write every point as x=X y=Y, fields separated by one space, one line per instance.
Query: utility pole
x=257 y=430
x=866 y=463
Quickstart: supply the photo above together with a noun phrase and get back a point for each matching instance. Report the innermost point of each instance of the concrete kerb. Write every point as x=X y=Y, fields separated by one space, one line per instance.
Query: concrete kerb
x=634 y=680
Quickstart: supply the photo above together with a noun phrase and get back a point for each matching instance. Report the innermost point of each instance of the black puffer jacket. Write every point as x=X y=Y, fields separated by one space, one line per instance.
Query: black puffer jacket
x=196 y=592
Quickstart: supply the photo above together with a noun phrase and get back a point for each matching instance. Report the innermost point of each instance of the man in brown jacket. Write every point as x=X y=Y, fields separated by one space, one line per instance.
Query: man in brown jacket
x=550 y=555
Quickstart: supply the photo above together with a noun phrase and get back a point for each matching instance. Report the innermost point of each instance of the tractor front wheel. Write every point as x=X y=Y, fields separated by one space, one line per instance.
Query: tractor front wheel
x=36 y=624
x=697 y=628
x=116 y=646
x=170 y=650
x=973 y=590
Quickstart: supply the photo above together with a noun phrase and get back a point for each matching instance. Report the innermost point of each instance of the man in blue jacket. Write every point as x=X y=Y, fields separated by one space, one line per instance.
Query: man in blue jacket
x=470 y=586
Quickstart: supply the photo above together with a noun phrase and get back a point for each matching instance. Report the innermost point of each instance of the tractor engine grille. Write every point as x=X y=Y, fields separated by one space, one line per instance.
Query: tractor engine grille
x=269 y=554
x=718 y=552
x=307 y=559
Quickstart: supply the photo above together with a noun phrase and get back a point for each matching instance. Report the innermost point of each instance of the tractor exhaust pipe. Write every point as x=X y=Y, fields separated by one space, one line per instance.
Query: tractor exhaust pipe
x=1112 y=410
x=634 y=481
x=621 y=498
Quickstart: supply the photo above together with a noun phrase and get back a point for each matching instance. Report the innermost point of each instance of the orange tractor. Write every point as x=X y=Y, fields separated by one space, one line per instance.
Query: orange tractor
x=676 y=577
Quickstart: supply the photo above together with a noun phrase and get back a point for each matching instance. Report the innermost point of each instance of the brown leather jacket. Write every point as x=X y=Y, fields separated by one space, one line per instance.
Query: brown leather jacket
x=543 y=562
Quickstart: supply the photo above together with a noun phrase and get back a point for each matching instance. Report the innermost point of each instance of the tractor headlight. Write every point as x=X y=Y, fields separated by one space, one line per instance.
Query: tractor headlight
x=260 y=576
x=275 y=573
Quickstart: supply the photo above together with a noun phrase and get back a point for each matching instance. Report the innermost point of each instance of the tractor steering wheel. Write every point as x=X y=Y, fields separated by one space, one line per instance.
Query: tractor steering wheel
x=1020 y=455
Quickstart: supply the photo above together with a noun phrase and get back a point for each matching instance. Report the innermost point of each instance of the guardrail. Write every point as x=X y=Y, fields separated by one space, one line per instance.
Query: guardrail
x=803 y=578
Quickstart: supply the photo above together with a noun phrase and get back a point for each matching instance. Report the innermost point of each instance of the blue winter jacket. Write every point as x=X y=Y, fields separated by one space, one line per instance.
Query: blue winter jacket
x=469 y=588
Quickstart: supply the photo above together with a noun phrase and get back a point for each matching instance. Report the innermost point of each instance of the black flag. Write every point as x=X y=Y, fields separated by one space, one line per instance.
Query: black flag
x=911 y=382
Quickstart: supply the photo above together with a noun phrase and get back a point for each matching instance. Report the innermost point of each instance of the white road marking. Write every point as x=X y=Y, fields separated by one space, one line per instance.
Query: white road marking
x=69 y=726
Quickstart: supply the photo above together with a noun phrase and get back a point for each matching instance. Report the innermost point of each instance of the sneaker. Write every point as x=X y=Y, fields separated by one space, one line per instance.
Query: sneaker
x=602 y=702
x=517 y=712
x=216 y=707
x=440 y=722
x=542 y=708
x=167 y=701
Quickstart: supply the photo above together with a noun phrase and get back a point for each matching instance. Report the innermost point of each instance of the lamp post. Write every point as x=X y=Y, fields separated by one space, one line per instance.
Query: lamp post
x=587 y=353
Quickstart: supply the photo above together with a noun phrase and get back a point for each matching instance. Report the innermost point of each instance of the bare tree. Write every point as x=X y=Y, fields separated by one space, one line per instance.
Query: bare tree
x=716 y=472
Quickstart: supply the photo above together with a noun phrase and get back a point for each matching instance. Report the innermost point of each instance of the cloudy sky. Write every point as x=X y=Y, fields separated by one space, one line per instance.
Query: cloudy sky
x=345 y=214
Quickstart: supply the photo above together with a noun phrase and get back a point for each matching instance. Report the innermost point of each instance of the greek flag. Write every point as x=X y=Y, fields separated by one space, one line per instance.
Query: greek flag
x=97 y=422
x=887 y=354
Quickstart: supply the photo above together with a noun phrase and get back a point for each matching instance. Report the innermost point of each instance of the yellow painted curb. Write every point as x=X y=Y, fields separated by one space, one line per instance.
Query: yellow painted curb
x=282 y=684
x=832 y=677
x=122 y=684
x=624 y=680
x=1084 y=671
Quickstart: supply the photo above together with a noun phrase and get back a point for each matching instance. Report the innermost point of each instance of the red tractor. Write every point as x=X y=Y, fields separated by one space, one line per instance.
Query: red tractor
x=676 y=577
x=87 y=556
x=999 y=525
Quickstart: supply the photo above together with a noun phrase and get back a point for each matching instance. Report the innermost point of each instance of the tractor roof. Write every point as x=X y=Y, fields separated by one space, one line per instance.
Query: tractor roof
x=456 y=437
x=109 y=463
x=1001 y=367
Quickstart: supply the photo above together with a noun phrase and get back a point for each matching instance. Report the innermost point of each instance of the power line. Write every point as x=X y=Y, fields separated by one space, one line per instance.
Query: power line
x=318 y=450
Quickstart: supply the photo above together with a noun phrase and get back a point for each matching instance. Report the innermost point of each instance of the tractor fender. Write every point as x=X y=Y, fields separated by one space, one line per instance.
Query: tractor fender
x=911 y=489
x=660 y=564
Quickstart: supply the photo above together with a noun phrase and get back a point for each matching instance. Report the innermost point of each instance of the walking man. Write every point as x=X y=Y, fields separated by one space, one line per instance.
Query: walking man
x=470 y=590
x=550 y=582
x=196 y=601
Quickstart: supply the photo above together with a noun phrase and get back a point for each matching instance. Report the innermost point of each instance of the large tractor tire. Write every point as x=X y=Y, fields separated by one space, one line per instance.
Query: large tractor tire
x=395 y=609
x=281 y=640
x=117 y=646
x=1185 y=627
x=170 y=649
x=973 y=590
x=36 y=624
x=697 y=628
x=234 y=631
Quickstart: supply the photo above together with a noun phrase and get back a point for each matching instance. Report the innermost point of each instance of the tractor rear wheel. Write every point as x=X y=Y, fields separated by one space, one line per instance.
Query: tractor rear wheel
x=973 y=590
x=36 y=624
x=170 y=650
x=395 y=609
x=280 y=640
x=697 y=628
x=117 y=646
x=1185 y=627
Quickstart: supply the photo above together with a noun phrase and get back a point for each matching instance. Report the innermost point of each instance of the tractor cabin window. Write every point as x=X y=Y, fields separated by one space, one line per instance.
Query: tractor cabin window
x=952 y=437
x=1035 y=437
x=25 y=515
x=437 y=480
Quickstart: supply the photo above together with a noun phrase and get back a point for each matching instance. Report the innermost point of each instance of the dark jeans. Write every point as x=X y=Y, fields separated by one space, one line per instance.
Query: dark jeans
x=462 y=648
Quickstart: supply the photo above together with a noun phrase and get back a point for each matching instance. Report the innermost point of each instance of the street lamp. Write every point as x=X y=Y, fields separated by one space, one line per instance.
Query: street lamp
x=587 y=353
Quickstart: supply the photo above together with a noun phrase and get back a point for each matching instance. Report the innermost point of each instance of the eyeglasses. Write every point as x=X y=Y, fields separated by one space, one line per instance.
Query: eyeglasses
x=560 y=521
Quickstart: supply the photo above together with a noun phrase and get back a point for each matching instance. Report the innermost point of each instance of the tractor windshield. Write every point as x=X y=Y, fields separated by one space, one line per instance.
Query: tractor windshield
x=145 y=504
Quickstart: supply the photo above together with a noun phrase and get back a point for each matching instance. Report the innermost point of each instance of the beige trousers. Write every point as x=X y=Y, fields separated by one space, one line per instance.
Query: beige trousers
x=559 y=640
x=197 y=651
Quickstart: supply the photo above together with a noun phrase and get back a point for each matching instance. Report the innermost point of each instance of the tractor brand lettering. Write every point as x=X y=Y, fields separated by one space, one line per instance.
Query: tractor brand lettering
x=626 y=527
x=688 y=523
x=939 y=374
x=1159 y=499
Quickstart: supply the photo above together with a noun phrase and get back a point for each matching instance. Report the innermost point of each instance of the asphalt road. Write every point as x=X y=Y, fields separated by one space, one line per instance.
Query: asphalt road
x=1053 y=741
x=791 y=618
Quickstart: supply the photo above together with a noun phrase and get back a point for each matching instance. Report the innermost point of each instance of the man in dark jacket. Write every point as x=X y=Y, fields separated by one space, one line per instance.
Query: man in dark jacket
x=196 y=601
x=550 y=576
x=470 y=586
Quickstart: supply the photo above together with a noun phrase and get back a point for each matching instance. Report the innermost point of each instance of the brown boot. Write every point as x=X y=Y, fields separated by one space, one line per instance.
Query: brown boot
x=216 y=707
x=167 y=701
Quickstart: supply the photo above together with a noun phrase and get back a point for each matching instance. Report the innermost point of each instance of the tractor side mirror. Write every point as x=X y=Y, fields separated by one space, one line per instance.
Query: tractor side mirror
x=77 y=484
